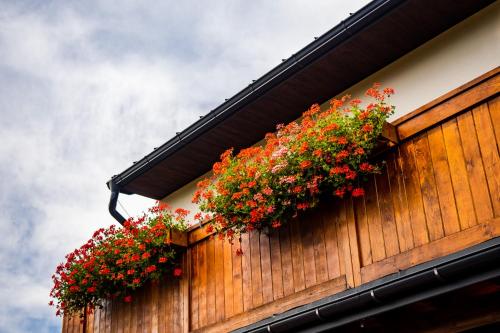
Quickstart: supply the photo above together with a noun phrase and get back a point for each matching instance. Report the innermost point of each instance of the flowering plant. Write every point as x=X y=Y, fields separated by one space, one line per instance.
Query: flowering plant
x=264 y=185
x=116 y=261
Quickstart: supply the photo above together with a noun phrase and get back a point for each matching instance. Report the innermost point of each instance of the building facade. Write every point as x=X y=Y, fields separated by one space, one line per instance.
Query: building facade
x=418 y=253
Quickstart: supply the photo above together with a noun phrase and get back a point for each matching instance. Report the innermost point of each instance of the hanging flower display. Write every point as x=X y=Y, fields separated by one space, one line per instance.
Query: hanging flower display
x=325 y=151
x=115 y=261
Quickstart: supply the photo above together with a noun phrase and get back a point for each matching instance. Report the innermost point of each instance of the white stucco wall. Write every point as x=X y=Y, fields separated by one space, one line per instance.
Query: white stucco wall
x=446 y=62
x=453 y=58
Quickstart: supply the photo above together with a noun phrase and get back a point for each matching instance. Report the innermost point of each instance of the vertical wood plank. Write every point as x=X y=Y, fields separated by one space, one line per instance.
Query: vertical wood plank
x=340 y=241
x=120 y=311
x=170 y=314
x=265 y=264
x=286 y=260
x=362 y=231
x=211 y=279
x=148 y=308
x=386 y=209
x=297 y=256
x=185 y=291
x=167 y=291
x=374 y=223
x=444 y=186
x=102 y=318
x=219 y=279
x=276 y=272
x=163 y=307
x=177 y=307
x=415 y=204
x=428 y=188
x=459 y=179
x=114 y=315
x=128 y=316
x=108 y=316
x=353 y=241
x=246 y=267
x=489 y=153
x=64 y=324
x=90 y=323
x=474 y=167
x=494 y=108
x=194 y=288
x=228 y=280
x=237 y=279
x=306 y=222
x=70 y=325
x=399 y=201
x=97 y=318
x=202 y=287
x=256 y=270
x=344 y=244
x=320 y=261
x=331 y=246
x=139 y=315
x=155 y=293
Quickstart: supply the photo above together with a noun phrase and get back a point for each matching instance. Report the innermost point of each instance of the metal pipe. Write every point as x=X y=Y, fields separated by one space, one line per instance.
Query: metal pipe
x=115 y=192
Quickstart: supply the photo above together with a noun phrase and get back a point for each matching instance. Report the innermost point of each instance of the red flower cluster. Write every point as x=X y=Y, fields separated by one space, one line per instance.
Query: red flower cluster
x=327 y=150
x=115 y=261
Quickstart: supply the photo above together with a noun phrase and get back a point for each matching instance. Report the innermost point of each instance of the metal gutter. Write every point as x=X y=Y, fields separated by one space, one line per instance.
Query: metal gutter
x=475 y=264
x=313 y=51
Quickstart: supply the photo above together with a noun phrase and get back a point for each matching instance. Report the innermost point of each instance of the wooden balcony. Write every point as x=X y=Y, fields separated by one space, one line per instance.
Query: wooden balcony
x=439 y=193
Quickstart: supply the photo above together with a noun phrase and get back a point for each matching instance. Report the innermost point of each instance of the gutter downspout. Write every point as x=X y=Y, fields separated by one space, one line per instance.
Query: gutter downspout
x=115 y=192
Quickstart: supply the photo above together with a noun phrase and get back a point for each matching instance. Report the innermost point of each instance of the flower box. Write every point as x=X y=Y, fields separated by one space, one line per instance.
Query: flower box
x=326 y=150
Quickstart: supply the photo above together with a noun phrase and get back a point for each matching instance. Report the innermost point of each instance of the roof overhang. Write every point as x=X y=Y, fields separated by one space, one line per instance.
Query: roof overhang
x=368 y=40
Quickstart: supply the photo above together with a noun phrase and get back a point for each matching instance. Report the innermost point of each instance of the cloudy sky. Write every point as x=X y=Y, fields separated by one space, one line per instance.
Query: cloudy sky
x=87 y=87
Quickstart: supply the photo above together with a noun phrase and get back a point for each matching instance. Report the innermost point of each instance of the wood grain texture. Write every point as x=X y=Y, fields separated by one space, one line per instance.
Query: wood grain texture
x=489 y=153
x=300 y=298
x=237 y=279
x=459 y=179
x=474 y=167
x=428 y=188
x=286 y=261
x=276 y=270
x=211 y=294
x=255 y=264
x=266 y=270
x=438 y=192
x=444 y=186
x=444 y=246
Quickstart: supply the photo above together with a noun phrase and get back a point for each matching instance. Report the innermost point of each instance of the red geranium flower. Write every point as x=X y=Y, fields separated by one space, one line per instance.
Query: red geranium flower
x=150 y=269
x=177 y=272
x=358 y=192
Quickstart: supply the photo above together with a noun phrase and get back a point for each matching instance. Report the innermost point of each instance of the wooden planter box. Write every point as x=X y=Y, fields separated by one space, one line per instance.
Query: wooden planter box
x=387 y=139
x=179 y=238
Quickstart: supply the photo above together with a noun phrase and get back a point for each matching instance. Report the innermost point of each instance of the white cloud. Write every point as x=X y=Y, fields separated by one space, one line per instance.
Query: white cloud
x=88 y=87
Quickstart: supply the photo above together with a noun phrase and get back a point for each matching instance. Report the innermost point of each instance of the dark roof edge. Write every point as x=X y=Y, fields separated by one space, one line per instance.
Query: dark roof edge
x=311 y=52
x=472 y=265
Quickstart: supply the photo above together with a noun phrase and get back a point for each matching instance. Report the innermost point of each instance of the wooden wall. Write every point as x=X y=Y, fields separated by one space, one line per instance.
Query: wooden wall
x=439 y=192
